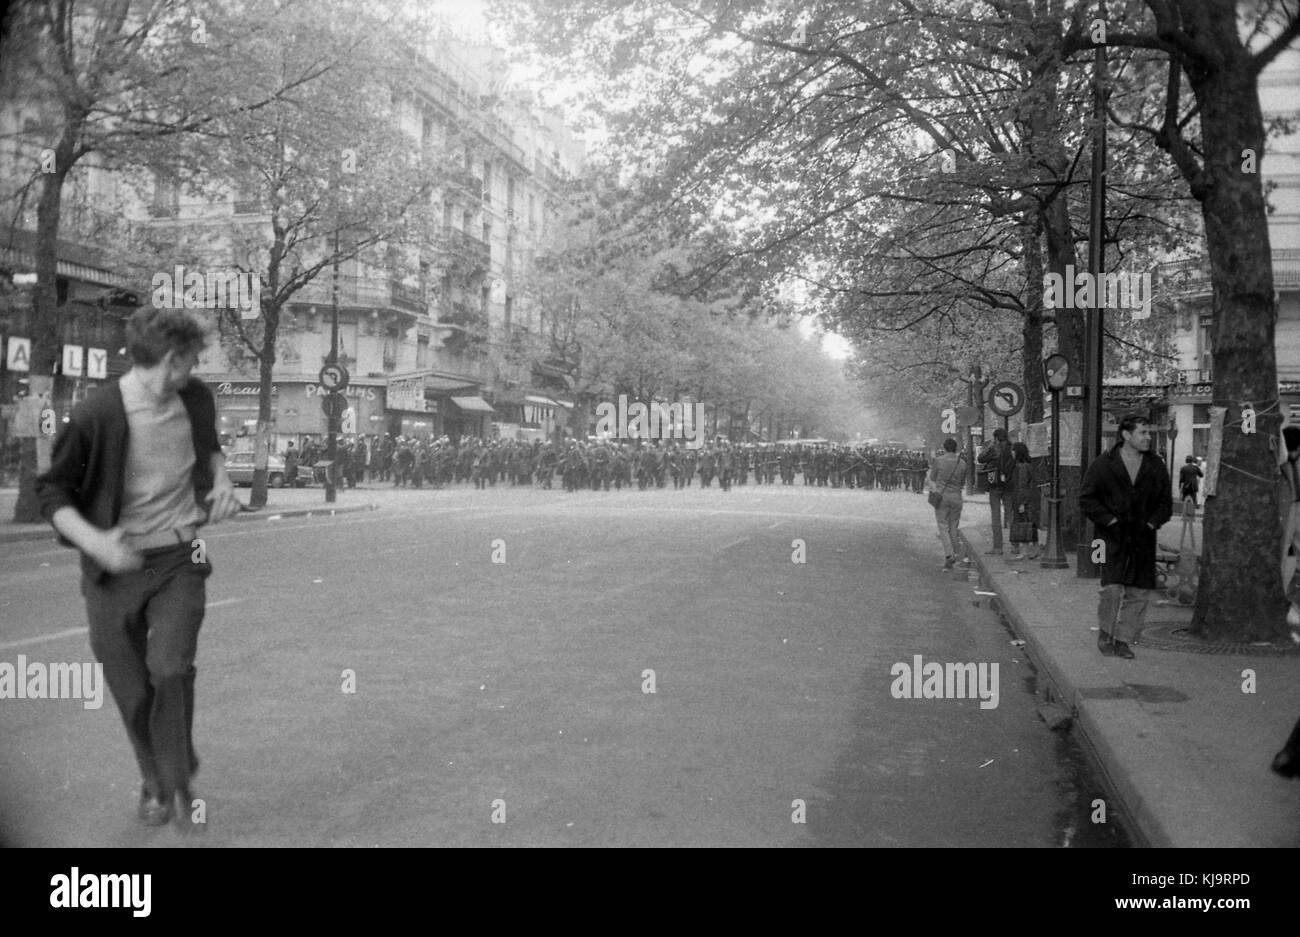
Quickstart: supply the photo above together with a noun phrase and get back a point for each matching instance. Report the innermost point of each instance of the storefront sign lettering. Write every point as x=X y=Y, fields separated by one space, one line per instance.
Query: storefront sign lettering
x=227 y=389
x=361 y=393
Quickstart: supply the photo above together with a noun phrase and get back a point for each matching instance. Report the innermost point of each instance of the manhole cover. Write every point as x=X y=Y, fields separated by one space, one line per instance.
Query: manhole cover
x=1177 y=636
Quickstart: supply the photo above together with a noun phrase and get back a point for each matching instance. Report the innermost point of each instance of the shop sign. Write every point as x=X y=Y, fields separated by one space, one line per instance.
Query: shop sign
x=228 y=389
x=406 y=393
x=360 y=393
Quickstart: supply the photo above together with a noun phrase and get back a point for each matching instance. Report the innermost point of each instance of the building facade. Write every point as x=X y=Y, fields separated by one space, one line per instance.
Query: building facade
x=447 y=350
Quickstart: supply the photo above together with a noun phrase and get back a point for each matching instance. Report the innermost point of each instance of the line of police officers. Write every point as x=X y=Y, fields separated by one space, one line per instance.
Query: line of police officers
x=600 y=465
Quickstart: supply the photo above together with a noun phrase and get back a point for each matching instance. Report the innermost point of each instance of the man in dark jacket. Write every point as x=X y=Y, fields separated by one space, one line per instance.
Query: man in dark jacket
x=1189 y=479
x=1126 y=493
x=998 y=461
x=135 y=471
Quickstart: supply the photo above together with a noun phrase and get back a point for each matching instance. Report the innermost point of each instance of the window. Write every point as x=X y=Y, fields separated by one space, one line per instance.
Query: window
x=422 y=351
x=532 y=211
x=447 y=212
x=166 y=197
x=509 y=310
x=487 y=183
x=1200 y=429
x=1204 y=343
x=487 y=233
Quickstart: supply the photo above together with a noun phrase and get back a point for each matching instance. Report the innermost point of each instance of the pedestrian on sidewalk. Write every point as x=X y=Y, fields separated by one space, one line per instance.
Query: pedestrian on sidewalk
x=1189 y=479
x=1126 y=493
x=999 y=462
x=1023 y=507
x=131 y=473
x=946 y=476
x=1287 y=761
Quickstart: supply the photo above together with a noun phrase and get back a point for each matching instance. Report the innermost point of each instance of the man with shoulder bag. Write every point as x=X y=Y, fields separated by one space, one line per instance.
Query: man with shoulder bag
x=999 y=462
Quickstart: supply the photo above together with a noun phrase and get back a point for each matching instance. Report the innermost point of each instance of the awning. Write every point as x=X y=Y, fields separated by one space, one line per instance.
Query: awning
x=473 y=404
x=565 y=404
x=544 y=401
x=444 y=384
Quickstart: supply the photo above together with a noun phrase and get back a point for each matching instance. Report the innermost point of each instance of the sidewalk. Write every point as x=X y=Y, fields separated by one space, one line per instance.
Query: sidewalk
x=281 y=503
x=1182 y=748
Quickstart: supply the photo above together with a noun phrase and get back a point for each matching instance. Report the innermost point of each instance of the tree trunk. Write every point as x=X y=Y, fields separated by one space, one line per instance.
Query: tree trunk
x=1032 y=333
x=1240 y=596
x=262 y=441
x=44 y=322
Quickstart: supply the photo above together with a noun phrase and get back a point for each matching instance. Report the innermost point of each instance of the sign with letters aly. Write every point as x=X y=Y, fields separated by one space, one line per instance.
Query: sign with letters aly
x=94 y=359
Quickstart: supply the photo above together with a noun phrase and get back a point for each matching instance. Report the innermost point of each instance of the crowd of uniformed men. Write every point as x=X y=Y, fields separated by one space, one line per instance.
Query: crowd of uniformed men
x=600 y=465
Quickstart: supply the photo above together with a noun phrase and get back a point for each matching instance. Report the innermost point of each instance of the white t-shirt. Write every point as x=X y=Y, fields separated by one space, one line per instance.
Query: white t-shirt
x=158 y=488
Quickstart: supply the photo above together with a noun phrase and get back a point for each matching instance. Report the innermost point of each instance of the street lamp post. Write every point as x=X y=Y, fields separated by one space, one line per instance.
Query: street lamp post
x=331 y=446
x=1056 y=370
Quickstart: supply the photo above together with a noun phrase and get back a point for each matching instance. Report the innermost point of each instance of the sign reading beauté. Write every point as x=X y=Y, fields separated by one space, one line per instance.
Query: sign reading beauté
x=232 y=389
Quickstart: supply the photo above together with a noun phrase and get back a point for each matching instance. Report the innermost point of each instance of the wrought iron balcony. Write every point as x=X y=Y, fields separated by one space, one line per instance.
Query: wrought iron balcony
x=465 y=253
x=407 y=297
x=1193 y=376
x=374 y=291
x=1190 y=277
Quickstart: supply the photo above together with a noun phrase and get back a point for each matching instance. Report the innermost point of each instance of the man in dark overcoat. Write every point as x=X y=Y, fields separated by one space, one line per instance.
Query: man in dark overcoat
x=1126 y=493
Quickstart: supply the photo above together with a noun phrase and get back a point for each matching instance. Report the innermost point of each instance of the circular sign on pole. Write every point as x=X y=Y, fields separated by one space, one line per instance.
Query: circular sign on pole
x=333 y=377
x=1006 y=398
x=1056 y=372
x=333 y=405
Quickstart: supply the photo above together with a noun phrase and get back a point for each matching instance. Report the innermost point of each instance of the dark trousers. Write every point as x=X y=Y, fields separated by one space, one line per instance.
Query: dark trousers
x=144 y=629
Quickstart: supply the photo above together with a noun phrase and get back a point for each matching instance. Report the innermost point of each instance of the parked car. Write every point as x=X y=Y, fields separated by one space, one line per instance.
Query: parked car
x=239 y=466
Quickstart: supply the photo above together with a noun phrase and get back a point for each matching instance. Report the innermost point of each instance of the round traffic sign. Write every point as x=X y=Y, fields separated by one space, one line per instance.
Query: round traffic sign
x=333 y=377
x=333 y=405
x=1056 y=372
x=1006 y=398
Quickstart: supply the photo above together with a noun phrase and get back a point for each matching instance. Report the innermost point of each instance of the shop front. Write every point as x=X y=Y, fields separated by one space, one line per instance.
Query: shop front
x=296 y=412
x=475 y=415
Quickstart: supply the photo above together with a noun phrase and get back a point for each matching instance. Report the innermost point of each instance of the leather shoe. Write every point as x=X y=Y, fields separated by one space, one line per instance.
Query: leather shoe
x=1123 y=650
x=1105 y=644
x=153 y=811
x=184 y=813
x=1287 y=764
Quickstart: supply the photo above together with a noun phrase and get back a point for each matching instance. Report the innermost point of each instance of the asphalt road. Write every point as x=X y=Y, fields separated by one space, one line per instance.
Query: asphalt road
x=506 y=703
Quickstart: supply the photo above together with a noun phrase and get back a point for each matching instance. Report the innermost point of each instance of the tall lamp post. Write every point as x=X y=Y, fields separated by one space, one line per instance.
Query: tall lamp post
x=1056 y=372
x=332 y=415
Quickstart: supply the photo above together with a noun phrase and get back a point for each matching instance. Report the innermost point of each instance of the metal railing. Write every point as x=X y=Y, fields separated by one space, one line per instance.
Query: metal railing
x=1192 y=376
x=473 y=252
x=1193 y=275
x=357 y=291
